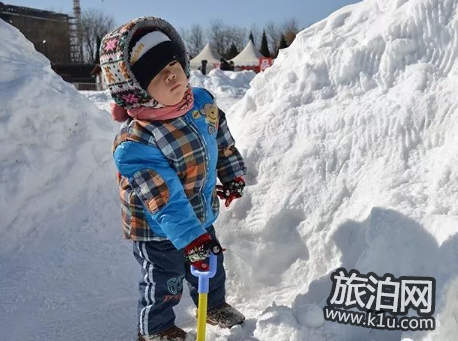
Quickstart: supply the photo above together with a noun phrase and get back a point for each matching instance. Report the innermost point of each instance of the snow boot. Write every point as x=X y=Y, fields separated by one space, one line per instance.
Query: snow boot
x=224 y=316
x=172 y=334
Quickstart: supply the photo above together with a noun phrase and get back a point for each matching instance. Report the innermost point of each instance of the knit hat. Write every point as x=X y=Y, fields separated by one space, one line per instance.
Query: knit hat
x=120 y=46
x=150 y=55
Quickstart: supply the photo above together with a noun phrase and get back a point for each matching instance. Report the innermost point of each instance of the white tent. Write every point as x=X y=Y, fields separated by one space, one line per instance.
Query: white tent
x=248 y=57
x=208 y=54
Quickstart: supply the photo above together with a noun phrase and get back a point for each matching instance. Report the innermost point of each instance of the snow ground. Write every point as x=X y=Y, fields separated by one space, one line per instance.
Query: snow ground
x=351 y=147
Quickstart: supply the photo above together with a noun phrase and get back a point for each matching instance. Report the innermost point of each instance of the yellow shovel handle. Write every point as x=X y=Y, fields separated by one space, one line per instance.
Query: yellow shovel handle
x=202 y=317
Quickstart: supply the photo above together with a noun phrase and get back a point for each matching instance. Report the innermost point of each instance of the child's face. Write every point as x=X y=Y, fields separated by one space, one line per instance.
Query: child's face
x=169 y=85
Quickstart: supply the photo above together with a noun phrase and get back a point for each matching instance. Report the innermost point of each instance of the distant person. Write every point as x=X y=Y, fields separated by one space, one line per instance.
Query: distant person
x=231 y=66
x=172 y=148
x=203 y=66
x=224 y=65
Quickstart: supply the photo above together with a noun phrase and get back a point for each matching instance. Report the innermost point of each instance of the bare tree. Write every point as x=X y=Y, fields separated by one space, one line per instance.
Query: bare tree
x=95 y=24
x=184 y=34
x=290 y=29
x=237 y=36
x=217 y=34
x=222 y=37
x=195 y=41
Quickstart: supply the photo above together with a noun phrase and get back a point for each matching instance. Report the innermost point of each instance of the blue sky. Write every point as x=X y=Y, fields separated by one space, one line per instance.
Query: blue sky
x=182 y=14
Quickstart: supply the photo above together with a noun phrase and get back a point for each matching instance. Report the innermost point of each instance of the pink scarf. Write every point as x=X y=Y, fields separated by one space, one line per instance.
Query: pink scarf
x=120 y=114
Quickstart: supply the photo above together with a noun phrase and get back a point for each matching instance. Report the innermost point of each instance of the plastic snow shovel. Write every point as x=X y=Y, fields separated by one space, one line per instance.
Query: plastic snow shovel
x=204 y=280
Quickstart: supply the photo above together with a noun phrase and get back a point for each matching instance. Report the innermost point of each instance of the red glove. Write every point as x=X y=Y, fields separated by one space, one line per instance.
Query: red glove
x=199 y=250
x=231 y=190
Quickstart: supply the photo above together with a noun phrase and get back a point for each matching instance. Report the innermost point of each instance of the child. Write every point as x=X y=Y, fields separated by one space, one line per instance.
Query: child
x=171 y=148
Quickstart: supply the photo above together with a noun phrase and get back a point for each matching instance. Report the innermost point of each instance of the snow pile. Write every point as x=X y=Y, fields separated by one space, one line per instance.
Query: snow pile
x=226 y=86
x=350 y=142
x=352 y=146
x=223 y=83
x=44 y=131
x=101 y=99
x=59 y=228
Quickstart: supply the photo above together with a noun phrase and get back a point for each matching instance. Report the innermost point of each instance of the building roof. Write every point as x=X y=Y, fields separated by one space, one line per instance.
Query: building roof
x=32 y=12
x=248 y=57
x=208 y=54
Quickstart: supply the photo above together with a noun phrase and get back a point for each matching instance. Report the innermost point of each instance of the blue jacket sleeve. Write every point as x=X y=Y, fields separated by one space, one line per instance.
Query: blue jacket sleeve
x=160 y=190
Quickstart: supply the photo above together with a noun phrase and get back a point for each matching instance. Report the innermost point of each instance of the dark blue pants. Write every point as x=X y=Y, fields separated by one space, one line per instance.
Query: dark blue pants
x=161 y=287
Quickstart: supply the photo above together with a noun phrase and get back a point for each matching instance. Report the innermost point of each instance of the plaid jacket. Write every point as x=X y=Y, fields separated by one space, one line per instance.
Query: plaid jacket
x=168 y=172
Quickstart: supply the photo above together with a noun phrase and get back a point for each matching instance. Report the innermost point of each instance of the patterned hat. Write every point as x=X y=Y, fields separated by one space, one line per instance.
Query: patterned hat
x=115 y=59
